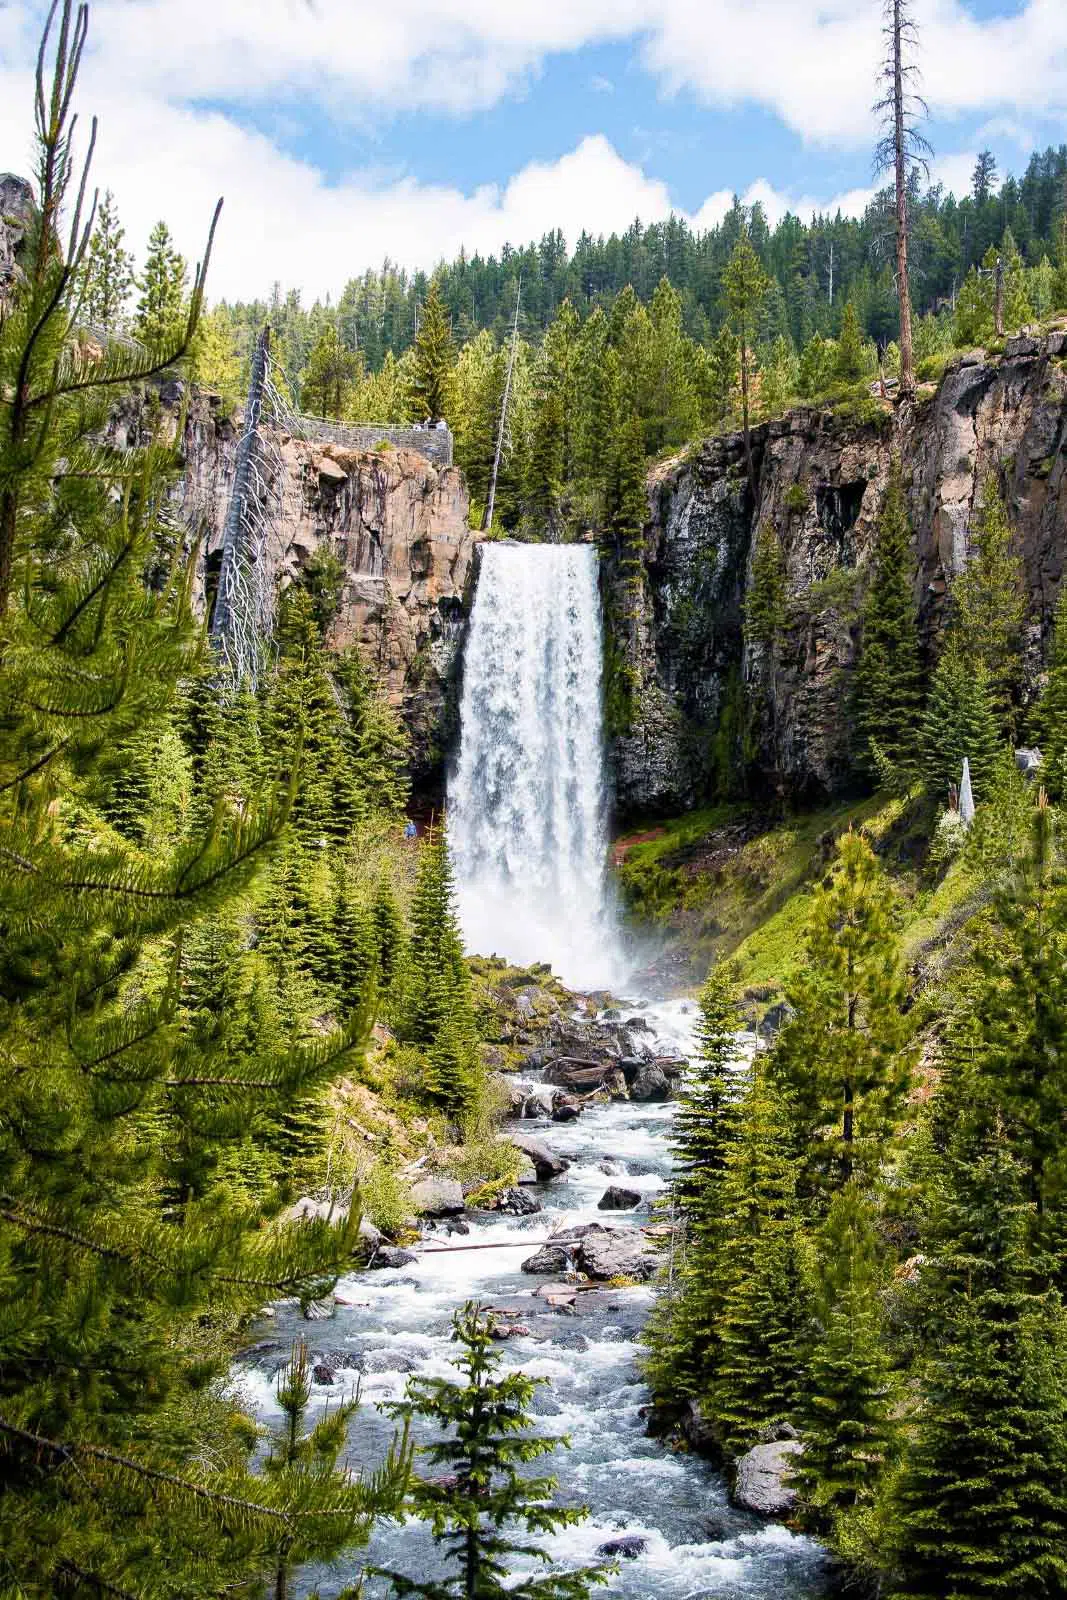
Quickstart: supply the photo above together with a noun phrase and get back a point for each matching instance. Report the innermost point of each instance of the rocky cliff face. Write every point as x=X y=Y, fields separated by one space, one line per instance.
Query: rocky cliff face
x=820 y=479
x=397 y=523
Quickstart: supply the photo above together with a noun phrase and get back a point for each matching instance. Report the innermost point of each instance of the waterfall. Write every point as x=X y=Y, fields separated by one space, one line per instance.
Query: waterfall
x=527 y=816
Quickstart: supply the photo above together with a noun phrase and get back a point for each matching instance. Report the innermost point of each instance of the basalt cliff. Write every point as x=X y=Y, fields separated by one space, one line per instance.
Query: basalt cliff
x=819 y=479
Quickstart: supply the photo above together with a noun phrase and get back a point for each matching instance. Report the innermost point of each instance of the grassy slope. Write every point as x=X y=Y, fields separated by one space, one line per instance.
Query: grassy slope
x=724 y=881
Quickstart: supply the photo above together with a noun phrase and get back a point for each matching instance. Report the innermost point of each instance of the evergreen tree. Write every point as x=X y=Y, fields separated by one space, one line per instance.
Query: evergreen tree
x=753 y=1372
x=332 y=372
x=161 y=306
x=124 y=1469
x=815 y=372
x=846 y=1423
x=482 y=1494
x=982 y=1502
x=436 y=1010
x=434 y=359
x=626 y=501
x=988 y=603
x=303 y=1460
x=959 y=721
x=845 y=1055
x=889 y=675
x=1052 y=706
x=108 y=272
x=765 y=600
x=707 y=1100
x=850 y=361
x=745 y=286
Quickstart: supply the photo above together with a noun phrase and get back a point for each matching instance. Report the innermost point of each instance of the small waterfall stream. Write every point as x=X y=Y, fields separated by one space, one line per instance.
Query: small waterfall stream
x=529 y=841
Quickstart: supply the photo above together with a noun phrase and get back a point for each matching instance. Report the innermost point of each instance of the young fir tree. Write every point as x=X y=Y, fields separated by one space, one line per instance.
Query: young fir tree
x=849 y=359
x=754 y=1370
x=123 y=1469
x=981 y=1506
x=959 y=721
x=988 y=605
x=846 y=1411
x=434 y=358
x=481 y=1498
x=845 y=1055
x=332 y=372
x=626 y=499
x=683 y=1321
x=108 y=272
x=889 y=678
x=161 y=306
x=436 y=1010
x=302 y=1458
x=718 y=375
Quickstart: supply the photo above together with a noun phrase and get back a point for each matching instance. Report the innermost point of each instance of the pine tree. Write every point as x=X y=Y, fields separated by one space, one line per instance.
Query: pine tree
x=108 y=272
x=161 y=306
x=434 y=359
x=332 y=372
x=745 y=286
x=753 y=1372
x=436 y=1007
x=707 y=1101
x=482 y=1494
x=124 y=1469
x=765 y=600
x=849 y=361
x=846 y=1055
x=846 y=1423
x=718 y=377
x=626 y=499
x=959 y=721
x=988 y=603
x=303 y=1466
x=1052 y=706
x=982 y=1502
x=889 y=674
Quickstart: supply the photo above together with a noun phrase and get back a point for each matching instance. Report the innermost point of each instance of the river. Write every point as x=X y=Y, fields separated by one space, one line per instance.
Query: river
x=528 y=830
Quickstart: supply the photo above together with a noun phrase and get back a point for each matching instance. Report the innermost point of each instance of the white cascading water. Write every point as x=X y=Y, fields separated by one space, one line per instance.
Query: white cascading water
x=527 y=818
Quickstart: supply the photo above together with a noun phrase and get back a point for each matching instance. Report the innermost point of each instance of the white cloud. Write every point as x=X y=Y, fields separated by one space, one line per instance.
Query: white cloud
x=813 y=66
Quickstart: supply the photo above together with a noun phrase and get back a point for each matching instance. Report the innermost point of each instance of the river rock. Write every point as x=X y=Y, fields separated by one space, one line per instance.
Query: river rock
x=551 y=1258
x=651 y=1083
x=630 y=1546
x=774 y=1020
x=546 y=1165
x=565 y=1108
x=618 y=1199
x=437 y=1197
x=616 y=1253
x=583 y=1076
x=391 y=1255
x=538 y=1102
x=763 y=1473
x=516 y=1203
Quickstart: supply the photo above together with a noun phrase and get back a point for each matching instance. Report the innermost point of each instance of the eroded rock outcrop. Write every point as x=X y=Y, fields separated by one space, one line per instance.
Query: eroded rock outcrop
x=396 y=522
x=820 y=480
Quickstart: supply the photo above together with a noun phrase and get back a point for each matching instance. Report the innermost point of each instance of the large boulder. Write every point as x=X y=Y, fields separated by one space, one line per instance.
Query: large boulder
x=550 y=1260
x=437 y=1197
x=763 y=1478
x=650 y=1083
x=545 y=1163
x=616 y=1198
x=391 y=1255
x=515 y=1203
x=616 y=1253
x=565 y=1108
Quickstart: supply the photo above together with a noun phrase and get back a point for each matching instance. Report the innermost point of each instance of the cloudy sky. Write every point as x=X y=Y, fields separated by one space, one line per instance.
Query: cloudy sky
x=342 y=131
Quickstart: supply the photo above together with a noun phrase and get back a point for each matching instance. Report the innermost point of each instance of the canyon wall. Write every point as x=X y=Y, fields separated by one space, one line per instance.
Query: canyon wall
x=820 y=479
x=396 y=521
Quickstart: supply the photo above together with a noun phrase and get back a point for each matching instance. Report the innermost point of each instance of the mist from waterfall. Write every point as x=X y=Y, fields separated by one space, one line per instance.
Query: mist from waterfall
x=527 y=798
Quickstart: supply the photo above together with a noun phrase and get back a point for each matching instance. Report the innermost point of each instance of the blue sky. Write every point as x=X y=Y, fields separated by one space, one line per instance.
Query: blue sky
x=344 y=130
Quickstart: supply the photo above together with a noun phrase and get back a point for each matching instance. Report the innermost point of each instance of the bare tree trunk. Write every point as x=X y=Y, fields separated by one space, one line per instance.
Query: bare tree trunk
x=487 y=517
x=907 y=360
